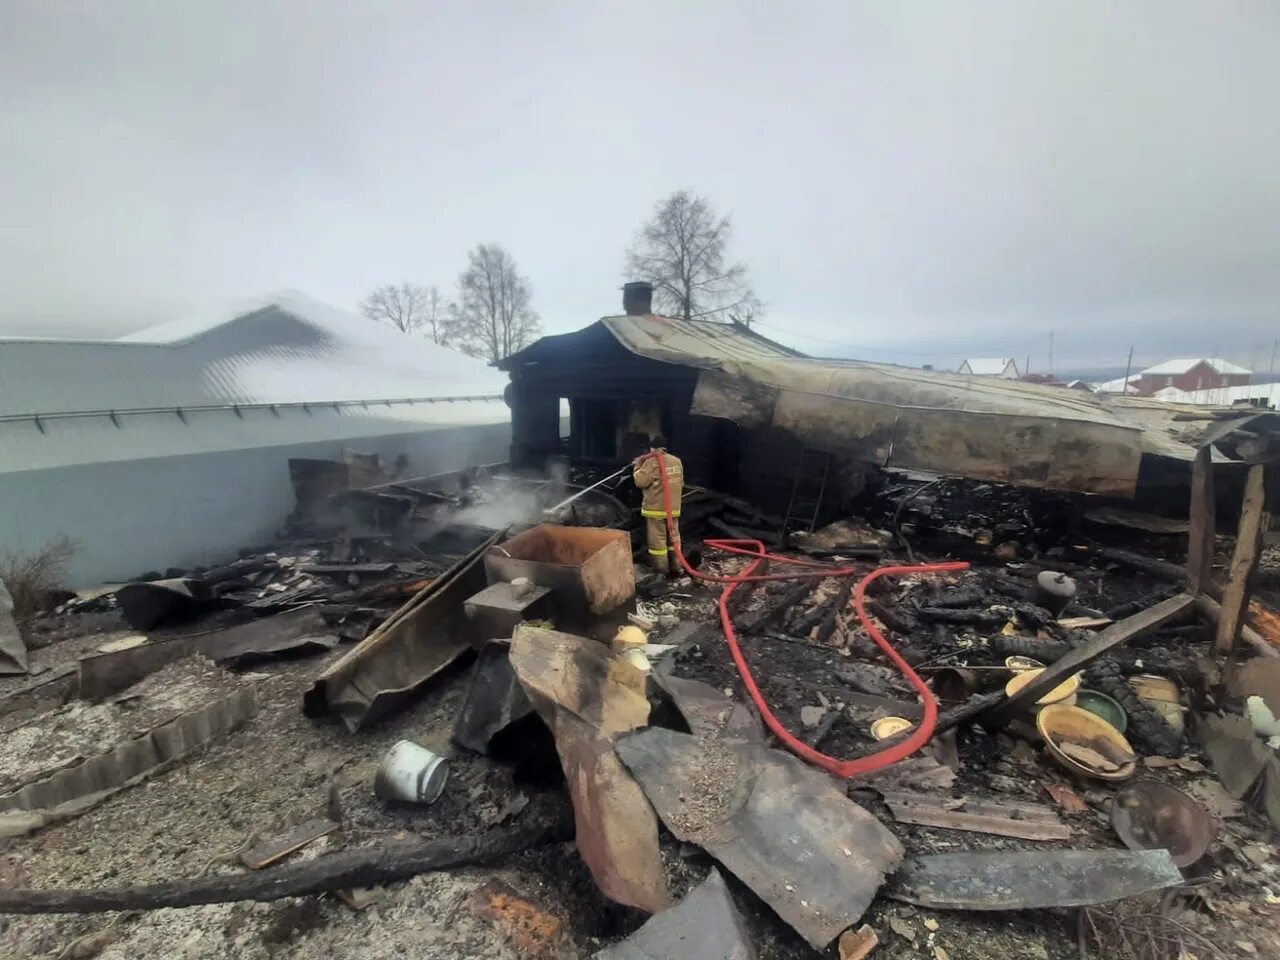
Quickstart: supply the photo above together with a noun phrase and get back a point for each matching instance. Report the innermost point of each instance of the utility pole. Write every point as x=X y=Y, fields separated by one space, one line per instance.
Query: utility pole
x=1026 y=366
x=1272 y=368
x=1050 y=353
x=1128 y=365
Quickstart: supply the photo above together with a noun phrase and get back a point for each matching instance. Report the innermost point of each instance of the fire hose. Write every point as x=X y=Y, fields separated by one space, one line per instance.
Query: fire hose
x=878 y=760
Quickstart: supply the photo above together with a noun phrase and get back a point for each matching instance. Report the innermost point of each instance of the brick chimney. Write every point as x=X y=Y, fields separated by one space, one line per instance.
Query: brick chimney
x=637 y=298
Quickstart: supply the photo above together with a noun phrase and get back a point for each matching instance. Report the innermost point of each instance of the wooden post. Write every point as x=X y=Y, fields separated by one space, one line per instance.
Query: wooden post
x=1203 y=522
x=1254 y=521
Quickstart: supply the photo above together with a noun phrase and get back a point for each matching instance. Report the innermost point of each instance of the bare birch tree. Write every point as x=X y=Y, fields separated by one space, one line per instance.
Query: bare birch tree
x=493 y=317
x=681 y=251
x=436 y=322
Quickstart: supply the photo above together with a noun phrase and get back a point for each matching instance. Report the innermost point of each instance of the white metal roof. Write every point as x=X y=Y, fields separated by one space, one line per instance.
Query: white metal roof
x=1222 y=396
x=1116 y=386
x=1171 y=368
x=986 y=366
x=189 y=386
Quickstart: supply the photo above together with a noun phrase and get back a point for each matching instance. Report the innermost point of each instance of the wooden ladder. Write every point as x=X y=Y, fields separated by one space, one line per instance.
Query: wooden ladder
x=807 y=490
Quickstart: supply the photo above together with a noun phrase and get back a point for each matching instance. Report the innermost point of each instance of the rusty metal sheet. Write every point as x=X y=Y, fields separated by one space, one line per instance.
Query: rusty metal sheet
x=1031 y=879
x=588 y=568
x=705 y=925
x=781 y=827
x=580 y=691
x=384 y=671
x=708 y=711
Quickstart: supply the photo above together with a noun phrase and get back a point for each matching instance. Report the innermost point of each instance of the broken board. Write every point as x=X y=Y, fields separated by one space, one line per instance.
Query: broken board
x=1023 y=820
x=277 y=848
x=1031 y=879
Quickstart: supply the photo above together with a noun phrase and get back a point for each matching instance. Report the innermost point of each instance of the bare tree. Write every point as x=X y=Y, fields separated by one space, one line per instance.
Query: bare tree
x=435 y=319
x=681 y=251
x=493 y=317
x=403 y=307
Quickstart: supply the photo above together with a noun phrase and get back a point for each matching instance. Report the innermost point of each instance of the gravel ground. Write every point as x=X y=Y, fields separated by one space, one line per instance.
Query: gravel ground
x=275 y=771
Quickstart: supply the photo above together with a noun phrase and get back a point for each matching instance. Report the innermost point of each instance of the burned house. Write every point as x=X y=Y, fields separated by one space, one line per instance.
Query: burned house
x=752 y=417
x=627 y=377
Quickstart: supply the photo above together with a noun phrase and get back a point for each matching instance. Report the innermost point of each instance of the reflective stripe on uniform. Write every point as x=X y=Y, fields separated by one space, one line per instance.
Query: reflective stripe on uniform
x=659 y=514
x=660 y=552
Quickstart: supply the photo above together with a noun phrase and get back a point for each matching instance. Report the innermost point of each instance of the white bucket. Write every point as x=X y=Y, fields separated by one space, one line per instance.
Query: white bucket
x=411 y=773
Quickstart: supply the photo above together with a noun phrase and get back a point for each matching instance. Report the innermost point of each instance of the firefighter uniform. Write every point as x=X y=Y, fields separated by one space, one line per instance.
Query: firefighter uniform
x=654 y=508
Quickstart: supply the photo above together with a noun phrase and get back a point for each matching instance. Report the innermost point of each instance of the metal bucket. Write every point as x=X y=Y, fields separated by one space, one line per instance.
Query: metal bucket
x=411 y=774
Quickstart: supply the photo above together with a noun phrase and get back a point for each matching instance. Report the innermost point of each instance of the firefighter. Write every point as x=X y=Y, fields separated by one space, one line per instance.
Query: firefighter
x=653 y=507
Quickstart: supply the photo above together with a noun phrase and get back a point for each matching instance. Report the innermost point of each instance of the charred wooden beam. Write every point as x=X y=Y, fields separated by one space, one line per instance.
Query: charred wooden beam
x=829 y=620
x=1085 y=654
x=365 y=867
x=1200 y=541
x=1254 y=521
x=757 y=620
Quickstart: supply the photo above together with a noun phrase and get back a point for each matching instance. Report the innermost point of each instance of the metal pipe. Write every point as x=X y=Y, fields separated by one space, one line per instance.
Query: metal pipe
x=564 y=503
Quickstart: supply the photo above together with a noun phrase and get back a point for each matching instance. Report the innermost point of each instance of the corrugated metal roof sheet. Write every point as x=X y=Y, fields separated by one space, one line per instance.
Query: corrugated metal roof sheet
x=1222 y=396
x=686 y=341
x=285 y=350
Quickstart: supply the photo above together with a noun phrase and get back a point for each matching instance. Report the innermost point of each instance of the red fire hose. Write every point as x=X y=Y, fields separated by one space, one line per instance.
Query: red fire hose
x=755 y=548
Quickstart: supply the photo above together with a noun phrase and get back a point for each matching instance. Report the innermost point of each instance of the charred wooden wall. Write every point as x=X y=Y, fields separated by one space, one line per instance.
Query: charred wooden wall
x=591 y=370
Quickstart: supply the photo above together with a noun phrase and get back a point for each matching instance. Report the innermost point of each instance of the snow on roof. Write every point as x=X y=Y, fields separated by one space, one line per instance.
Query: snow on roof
x=283 y=349
x=206 y=375
x=1116 y=386
x=987 y=366
x=1171 y=368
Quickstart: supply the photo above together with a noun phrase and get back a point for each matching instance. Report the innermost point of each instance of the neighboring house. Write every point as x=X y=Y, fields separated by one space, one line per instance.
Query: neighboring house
x=1003 y=367
x=1080 y=385
x=1256 y=394
x=1190 y=374
x=171 y=447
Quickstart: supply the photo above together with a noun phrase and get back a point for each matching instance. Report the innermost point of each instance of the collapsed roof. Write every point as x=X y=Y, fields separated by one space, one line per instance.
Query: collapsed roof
x=986 y=429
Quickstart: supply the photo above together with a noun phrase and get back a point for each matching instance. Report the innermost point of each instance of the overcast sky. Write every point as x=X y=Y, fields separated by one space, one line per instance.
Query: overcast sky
x=908 y=181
